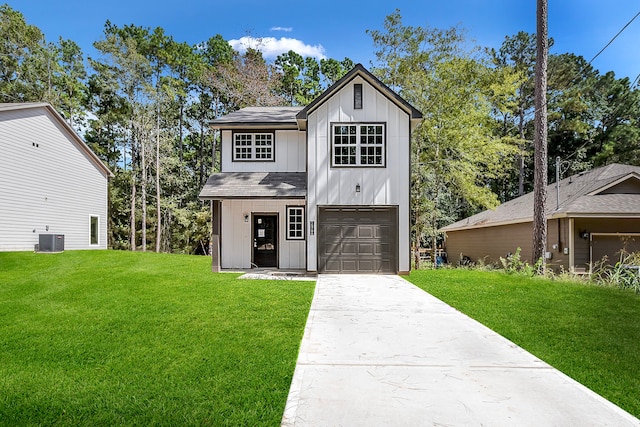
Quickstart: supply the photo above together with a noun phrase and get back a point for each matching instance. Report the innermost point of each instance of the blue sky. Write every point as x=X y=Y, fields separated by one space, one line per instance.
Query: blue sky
x=337 y=29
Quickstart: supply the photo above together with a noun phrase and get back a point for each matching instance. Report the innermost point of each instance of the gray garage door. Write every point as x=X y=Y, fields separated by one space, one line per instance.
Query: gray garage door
x=358 y=240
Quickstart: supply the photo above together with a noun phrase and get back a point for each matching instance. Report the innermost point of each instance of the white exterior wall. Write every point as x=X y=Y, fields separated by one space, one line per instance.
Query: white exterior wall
x=237 y=240
x=290 y=154
x=379 y=186
x=54 y=184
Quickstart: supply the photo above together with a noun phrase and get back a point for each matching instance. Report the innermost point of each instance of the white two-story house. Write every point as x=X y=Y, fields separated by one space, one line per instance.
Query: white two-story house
x=53 y=188
x=323 y=188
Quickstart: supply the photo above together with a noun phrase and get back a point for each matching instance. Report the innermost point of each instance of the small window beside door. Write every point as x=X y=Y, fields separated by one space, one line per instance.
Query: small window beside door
x=295 y=223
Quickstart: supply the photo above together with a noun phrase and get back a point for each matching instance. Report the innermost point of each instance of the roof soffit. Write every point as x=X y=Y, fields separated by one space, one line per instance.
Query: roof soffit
x=631 y=176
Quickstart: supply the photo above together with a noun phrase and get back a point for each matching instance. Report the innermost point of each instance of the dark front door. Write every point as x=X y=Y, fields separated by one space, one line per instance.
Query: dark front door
x=265 y=240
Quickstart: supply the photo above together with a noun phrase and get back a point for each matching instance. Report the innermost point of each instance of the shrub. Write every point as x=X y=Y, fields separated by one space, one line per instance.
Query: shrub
x=513 y=264
x=625 y=274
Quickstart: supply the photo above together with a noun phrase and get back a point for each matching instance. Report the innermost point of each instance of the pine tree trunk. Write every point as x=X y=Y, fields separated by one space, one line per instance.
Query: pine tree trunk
x=143 y=188
x=132 y=217
x=521 y=156
x=158 y=212
x=201 y=157
x=540 y=139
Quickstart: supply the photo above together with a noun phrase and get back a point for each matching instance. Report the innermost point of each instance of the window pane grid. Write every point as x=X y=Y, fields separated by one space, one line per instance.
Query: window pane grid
x=295 y=223
x=359 y=145
x=253 y=146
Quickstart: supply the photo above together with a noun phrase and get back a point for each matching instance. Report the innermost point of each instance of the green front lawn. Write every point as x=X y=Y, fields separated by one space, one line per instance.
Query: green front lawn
x=590 y=333
x=120 y=338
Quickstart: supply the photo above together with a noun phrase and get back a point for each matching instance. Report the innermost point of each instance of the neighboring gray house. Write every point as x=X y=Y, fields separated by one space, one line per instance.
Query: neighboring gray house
x=322 y=188
x=590 y=215
x=50 y=181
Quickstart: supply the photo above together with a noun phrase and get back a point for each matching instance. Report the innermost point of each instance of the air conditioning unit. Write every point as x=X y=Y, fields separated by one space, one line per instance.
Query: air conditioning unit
x=51 y=243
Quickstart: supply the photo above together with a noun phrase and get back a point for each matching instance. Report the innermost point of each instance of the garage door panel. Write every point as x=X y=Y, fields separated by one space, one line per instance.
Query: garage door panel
x=366 y=249
x=349 y=249
x=366 y=231
x=366 y=242
x=366 y=265
x=332 y=266
x=383 y=232
x=333 y=230
x=349 y=266
x=350 y=232
x=384 y=249
x=384 y=266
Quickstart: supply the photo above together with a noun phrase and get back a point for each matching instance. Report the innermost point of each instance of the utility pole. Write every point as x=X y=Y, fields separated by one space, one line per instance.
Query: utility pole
x=540 y=138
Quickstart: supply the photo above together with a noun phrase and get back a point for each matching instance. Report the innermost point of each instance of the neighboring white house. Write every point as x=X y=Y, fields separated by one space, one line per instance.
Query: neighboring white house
x=50 y=181
x=323 y=187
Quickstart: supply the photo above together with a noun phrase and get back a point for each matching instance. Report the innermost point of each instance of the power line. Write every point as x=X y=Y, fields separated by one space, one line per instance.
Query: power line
x=614 y=37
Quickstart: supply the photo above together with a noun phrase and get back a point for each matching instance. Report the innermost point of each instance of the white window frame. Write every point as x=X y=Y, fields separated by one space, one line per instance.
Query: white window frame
x=298 y=233
x=253 y=147
x=357 y=146
x=97 y=217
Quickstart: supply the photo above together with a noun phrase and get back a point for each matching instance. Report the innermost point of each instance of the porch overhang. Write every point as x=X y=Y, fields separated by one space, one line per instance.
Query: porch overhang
x=255 y=185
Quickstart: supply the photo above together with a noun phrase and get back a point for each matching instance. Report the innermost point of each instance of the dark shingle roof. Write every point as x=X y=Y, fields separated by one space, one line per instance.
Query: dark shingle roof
x=243 y=185
x=259 y=116
x=577 y=197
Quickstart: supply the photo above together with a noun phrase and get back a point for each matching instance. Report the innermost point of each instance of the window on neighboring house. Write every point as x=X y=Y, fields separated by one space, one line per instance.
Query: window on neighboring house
x=358 y=145
x=295 y=222
x=94 y=230
x=253 y=146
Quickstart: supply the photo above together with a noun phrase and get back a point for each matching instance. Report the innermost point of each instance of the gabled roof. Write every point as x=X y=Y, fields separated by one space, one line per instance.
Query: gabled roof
x=296 y=117
x=587 y=194
x=256 y=117
x=414 y=115
x=246 y=185
x=75 y=138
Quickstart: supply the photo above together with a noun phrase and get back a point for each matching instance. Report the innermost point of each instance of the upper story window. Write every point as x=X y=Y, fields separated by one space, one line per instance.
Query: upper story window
x=357 y=96
x=253 y=147
x=359 y=144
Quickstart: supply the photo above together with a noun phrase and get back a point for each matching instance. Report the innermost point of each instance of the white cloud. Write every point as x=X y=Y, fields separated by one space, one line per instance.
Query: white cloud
x=285 y=29
x=272 y=47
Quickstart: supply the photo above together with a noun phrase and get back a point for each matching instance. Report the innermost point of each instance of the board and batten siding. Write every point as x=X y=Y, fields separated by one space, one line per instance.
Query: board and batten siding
x=237 y=239
x=289 y=149
x=47 y=181
x=387 y=186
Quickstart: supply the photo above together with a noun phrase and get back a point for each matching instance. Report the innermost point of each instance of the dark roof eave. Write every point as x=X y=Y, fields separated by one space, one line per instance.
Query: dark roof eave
x=253 y=125
x=245 y=197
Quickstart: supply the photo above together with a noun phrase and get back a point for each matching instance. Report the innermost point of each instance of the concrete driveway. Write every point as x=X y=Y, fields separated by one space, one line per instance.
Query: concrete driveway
x=378 y=351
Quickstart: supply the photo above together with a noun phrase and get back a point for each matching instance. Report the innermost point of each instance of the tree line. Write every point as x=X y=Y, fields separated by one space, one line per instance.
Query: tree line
x=143 y=104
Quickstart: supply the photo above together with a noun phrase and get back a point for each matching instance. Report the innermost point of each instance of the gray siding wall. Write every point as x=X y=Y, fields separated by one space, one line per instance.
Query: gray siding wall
x=53 y=185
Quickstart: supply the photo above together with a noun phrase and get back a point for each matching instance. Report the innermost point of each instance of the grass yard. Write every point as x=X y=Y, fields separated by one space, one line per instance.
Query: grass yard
x=119 y=338
x=590 y=333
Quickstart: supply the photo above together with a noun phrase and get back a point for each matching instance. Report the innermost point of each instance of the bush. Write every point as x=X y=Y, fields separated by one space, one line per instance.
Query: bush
x=513 y=264
x=625 y=274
